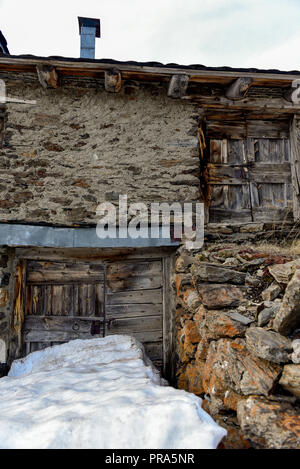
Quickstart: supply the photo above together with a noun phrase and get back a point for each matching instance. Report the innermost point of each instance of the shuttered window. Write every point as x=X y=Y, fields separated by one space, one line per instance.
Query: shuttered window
x=249 y=178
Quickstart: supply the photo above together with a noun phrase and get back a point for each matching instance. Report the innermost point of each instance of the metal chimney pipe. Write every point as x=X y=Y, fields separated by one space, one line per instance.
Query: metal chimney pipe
x=89 y=29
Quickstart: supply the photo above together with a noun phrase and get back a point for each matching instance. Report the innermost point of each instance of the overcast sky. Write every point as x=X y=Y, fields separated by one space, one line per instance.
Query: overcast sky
x=237 y=33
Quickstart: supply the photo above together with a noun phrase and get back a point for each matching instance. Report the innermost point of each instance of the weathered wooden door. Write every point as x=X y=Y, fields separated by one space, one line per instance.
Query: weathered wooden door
x=250 y=180
x=134 y=296
x=63 y=301
x=78 y=300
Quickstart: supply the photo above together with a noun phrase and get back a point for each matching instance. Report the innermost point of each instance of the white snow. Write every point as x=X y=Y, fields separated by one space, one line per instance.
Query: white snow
x=99 y=393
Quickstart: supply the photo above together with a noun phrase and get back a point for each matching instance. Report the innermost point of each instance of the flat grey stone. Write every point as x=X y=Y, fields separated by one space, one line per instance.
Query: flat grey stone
x=268 y=345
x=267 y=314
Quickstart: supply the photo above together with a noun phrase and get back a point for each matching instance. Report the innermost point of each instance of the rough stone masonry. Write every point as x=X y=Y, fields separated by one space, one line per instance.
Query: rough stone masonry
x=238 y=327
x=79 y=146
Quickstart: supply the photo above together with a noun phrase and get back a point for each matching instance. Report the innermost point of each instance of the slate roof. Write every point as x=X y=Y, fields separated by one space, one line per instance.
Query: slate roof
x=199 y=67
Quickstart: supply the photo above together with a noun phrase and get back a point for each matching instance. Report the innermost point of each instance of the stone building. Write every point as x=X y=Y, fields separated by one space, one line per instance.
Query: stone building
x=221 y=321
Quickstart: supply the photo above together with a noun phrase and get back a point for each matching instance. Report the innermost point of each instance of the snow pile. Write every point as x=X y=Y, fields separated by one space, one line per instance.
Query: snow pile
x=99 y=393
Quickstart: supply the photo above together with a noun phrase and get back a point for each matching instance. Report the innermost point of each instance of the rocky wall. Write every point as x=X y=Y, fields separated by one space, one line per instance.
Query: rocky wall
x=79 y=146
x=238 y=347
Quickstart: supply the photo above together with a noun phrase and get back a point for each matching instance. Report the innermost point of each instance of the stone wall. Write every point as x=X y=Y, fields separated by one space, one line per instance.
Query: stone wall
x=238 y=347
x=79 y=146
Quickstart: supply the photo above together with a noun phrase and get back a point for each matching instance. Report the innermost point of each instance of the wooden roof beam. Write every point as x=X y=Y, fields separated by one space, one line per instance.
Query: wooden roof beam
x=292 y=94
x=178 y=85
x=47 y=76
x=239 y=88
x=113 y=81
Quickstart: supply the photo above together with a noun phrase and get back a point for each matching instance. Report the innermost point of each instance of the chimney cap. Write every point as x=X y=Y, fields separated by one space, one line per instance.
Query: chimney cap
x=90 y=23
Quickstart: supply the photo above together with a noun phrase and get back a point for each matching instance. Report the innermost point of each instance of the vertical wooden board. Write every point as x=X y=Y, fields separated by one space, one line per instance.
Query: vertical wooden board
x=38 y=296
x=250 y=150
x=236 y=152
x=34 y=300
x=67 y=300
x=48 y=300
x=56 y=300
x=99 y=299
x=82 y=299
x=271 y=195
x=254 y=191
x=287 y=150
x=28 y=306
x=263 y=154
x=246 y=197
x=82 y=294
x=63 y=299
x=75 y=300
x=169 y=321
x=224 y=151
x=256 y=149
x=289 y=195
x=276 y=154
x=90 y=300
x=217 y=196
x=216 y=151
x=238 y=197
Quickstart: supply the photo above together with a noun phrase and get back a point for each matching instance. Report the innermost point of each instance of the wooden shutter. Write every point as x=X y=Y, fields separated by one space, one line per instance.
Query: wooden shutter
x=249 y=176
x=228 y=182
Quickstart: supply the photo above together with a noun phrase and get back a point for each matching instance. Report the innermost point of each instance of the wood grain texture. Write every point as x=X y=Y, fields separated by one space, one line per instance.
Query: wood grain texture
x=65 y=302
x=250 y=180
x=178 y=85
x=60 y=272
x=113 y=81
x=239 y=88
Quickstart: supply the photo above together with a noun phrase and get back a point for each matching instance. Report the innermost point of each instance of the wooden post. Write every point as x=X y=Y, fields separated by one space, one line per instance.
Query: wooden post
x=47 y=76
x=295 y=164
x=178 y=86
x=113 y=81
x=239 y=88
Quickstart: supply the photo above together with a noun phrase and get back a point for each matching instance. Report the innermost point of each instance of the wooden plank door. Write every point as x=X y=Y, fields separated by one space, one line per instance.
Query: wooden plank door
x=135 y=303
x=64 y=301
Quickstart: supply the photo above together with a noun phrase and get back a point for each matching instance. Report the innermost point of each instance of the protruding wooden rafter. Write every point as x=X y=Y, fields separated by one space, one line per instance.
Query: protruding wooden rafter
x=178 y=86
x=47 y=76
x=239 y=88
x=113 y=81
x=292 y=94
